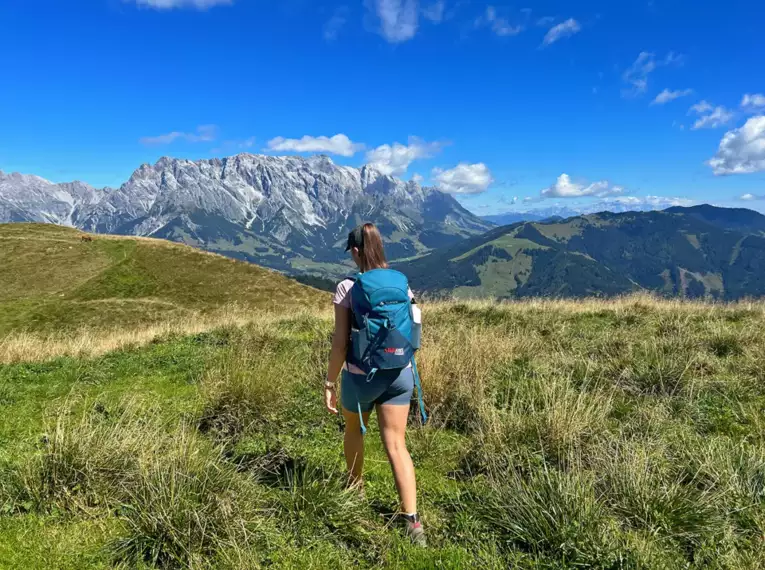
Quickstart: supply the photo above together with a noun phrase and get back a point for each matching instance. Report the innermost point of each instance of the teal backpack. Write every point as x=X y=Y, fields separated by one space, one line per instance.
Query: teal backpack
x=384 y=334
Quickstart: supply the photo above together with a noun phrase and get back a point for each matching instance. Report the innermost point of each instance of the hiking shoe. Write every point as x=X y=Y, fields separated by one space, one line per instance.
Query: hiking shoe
x=414 y=530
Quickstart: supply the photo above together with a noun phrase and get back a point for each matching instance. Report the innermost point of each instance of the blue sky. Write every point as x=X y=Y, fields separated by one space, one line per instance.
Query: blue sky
x=508 y=105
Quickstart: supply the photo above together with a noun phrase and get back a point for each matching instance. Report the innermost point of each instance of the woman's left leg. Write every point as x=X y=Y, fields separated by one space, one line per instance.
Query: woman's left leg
x=353 y=445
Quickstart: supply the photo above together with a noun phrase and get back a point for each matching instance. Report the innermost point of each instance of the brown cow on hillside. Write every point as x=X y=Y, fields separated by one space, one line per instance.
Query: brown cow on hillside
x=86 y=238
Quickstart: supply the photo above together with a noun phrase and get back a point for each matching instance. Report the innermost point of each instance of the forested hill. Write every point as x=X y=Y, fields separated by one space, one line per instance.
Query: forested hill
x=702 y=251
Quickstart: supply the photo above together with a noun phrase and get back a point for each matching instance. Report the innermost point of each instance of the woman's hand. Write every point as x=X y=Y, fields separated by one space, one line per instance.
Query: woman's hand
x=330 y=398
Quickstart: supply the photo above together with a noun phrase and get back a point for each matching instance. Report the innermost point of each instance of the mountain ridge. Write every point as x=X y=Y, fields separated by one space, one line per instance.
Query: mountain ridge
x=691 y=252
x=285 y=212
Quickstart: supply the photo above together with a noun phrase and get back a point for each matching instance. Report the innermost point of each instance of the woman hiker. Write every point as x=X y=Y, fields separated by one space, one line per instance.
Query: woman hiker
x=383 y=381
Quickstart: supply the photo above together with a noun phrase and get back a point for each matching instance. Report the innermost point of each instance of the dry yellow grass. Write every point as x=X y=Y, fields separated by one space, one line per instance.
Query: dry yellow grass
x=641 y=301
x=448 y=353
x=90 y=342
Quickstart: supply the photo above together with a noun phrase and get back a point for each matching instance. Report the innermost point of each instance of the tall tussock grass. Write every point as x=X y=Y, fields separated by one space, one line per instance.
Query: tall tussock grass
x=185 y=508
x=622 y=433
x=180 y=503
x=549 y=512
x=260 y=373
x=90 y=458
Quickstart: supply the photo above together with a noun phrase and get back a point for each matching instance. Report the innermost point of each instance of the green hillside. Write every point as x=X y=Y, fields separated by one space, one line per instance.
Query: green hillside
x=735 y=219
x=53 y=279
x=609 y=435
x=695 y=252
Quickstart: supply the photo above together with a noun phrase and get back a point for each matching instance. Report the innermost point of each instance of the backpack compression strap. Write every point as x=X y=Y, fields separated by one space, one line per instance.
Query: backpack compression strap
x=358 y=405
x=418 y=385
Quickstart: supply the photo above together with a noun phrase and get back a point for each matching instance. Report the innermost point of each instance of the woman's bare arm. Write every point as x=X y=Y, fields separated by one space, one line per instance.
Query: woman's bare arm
x=340 y=341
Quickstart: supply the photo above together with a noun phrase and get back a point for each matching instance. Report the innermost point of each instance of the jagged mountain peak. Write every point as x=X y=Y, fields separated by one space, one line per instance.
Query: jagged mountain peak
x=23 y=178
x=27 y=197
x=287 y=212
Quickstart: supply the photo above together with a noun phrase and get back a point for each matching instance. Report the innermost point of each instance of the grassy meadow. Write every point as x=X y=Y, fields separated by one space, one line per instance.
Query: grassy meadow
x=56 y=280
x=590 y=434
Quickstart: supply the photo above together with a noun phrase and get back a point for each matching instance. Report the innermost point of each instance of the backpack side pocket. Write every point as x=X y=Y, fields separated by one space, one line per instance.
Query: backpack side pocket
x=416 y=327
x=359 y=345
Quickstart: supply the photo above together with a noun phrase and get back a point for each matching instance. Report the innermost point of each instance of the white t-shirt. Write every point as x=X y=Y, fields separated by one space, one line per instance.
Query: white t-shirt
x=342 y=298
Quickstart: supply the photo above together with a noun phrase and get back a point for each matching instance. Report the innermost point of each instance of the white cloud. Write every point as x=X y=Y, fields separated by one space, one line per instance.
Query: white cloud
x=398 y=18
x=645 y=64
x=500 y=26
x=742 y=150
x=394 y=160
x=204 y=133
x=227 y=147
x=333 y=26
x=435 y=12
x=751 y=197
x=667 y=95
x=562 y=30
x=753 y=102
x=565 y=188
x=418 y=178
x=464 y=178
x=717 y=118
x=170 y=4
x=339 y=144
x=647 y=202
x=701 y=108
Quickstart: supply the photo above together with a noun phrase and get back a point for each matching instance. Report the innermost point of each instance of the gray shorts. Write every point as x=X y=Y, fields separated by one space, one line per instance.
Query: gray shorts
x=388 y=387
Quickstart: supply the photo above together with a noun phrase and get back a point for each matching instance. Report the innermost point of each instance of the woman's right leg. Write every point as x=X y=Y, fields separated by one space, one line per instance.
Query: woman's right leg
x=353 y=445
x=392 y=419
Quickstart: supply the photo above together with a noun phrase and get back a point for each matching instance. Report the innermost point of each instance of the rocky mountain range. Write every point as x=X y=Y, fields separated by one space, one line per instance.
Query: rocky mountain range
x=288 y=213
